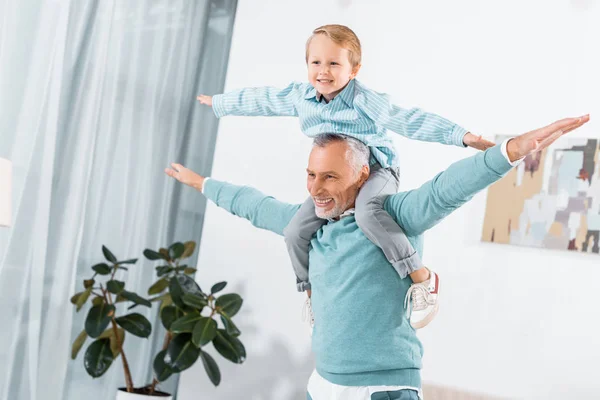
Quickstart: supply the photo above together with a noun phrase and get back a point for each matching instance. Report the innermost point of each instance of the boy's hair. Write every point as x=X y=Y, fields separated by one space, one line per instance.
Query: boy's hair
x=343 y=37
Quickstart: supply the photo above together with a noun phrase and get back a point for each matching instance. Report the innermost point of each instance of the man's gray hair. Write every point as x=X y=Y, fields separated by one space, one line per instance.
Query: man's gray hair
x=358 y=153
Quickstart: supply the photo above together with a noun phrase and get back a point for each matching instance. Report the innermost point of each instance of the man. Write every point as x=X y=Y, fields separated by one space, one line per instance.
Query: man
x=364 y=347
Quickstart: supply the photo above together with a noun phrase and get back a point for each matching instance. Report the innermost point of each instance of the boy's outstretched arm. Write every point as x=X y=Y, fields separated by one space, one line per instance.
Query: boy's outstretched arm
x=258 y=101
x=415 y=123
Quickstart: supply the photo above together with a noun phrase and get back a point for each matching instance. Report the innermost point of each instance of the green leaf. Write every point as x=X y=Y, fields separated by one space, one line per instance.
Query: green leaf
x=211 y=367
x=163 y=270
x=114 y=345
x=186 y=323
x=182 y=353
x=160 y=297
x=181 y=268
x=194 y=300
x=158 y=286
x=165 y=253
x=217 y=287
x=230 y=304
x=81 y=300
x=229 y=347
x=135 y=298
x=98 y=319
x=166 y=300
x=102 y=269
x=152 y=255
x=88 y=283
x=204 y=332
x=170 y=314
x=180 y=285
x=230 y=326
x=75 y=297
x=131 y=261
x=115 y=286
x=189 y=271
x=98 y=358
x=97 y=301
x=78 y=343
x=110 y=257
x=161 y=370
x=190 y=247
x=135 y=324
x=110 y=334
x=176 y=250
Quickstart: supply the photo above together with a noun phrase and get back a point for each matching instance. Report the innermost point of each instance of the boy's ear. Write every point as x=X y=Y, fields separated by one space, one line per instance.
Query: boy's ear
x=355 y=71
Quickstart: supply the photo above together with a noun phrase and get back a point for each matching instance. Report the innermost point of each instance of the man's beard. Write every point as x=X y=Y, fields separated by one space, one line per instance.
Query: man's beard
x=335 y=212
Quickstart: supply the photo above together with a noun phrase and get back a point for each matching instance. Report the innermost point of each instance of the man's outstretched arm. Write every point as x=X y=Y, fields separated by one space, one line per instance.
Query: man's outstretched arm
x=420 y=209
x=262 y=211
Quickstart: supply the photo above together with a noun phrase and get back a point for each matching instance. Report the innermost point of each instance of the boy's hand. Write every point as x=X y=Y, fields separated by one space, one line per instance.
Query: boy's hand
x=477 y=142
x=203 y=99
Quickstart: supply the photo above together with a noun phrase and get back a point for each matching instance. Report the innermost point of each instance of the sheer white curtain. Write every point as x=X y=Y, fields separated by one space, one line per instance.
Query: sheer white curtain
x=96 y=97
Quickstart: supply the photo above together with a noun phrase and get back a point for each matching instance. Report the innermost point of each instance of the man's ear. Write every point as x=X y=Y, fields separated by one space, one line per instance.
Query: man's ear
x=355 y=71
x=363 y=175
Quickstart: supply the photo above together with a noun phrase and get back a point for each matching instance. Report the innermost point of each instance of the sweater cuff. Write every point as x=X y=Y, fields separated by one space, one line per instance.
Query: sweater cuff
x=458 y=135
x=218 y=106
x=204 y=184
x=504 y=150
x=211 y=188
x=497 y=161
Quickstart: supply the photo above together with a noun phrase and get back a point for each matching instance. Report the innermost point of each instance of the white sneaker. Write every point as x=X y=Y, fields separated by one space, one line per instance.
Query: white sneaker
x=307 y=315
x=423 y=306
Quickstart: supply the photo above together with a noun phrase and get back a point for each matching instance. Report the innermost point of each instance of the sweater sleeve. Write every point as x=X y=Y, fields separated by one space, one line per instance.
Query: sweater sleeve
x=420 y=209
x=264 y=212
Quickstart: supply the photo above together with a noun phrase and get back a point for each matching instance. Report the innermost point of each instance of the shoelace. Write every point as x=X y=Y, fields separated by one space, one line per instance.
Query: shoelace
x=307 y=314
x=420 y=298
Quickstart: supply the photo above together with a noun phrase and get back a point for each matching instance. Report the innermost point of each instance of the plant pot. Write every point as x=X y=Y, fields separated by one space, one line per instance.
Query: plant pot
x=138 y=395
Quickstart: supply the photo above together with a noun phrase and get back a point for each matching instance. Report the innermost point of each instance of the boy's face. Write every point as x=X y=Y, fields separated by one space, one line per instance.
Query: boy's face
x=329 y=68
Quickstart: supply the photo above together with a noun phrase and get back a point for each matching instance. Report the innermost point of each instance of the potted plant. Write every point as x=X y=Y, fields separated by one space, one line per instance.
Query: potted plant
x=189 y=316
x=186 y=312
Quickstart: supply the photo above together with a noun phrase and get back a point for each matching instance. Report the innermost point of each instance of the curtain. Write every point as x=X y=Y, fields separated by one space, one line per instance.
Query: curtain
x=98 y=97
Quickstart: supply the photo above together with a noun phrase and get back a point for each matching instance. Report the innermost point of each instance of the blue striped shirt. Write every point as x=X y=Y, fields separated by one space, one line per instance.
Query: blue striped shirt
x=356 y=111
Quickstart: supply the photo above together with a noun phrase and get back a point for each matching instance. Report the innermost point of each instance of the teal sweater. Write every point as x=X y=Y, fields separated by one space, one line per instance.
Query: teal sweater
x=361 y=335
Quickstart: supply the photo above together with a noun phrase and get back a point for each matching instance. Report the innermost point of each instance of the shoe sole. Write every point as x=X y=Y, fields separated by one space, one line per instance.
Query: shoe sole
x=424 y=322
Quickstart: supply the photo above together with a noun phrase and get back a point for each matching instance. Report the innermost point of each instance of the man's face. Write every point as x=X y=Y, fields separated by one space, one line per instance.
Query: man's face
x=331 y=180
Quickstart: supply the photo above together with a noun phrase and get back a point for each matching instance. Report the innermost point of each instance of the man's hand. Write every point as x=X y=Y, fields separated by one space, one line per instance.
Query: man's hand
x=537 y=140
x=203 y=99
x=477 y=142
x=185 y=176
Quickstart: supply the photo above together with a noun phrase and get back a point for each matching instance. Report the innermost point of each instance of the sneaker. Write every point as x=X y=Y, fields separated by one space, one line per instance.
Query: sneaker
x=307 y=315
x=423 y=306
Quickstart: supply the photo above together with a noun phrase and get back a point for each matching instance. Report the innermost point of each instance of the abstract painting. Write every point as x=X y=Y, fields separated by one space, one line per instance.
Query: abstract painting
x=551 y=200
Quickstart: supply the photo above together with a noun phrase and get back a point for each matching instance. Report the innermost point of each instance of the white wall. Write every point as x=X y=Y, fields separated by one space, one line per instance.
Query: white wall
x=514 y=322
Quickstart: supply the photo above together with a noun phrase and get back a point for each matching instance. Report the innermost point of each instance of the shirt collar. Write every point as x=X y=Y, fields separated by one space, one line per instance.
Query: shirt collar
x=346 y=95
x=346 y=213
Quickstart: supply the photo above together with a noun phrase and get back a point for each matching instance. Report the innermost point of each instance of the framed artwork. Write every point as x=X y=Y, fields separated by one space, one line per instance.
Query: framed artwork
x=551 y=200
